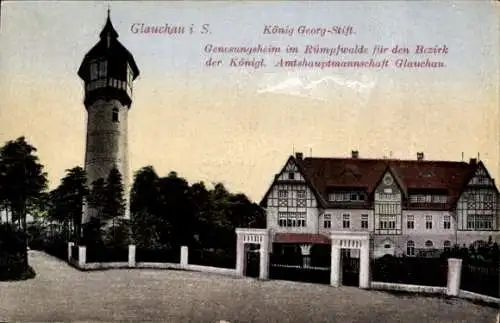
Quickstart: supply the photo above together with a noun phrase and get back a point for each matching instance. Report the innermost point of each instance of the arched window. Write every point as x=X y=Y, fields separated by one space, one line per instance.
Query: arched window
x=115 y=115
x=410 y=248
x=447 y=245
x=428 y=244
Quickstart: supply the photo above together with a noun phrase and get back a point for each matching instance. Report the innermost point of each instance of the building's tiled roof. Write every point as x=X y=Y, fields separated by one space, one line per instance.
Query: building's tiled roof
x=325 y=175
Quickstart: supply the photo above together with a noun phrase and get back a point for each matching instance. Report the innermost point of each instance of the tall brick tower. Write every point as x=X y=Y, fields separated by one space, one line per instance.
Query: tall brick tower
x=108 y=71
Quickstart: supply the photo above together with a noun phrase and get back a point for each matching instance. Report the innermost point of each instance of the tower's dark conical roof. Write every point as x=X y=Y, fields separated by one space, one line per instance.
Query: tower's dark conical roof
x=108 y=29
x=109 y=49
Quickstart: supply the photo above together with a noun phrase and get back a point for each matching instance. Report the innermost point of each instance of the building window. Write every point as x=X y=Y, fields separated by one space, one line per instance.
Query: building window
x=429 y=244
x=410 y=248
x=447 y=245
x=439 y=198
x=489 y=197
x=301 y=198
x=428 y=222
x=327 y=221
x=417 y=198
x=291 y=175
x=447 y=222
x=282 y=193
x=282 y=202
x=346 y=197
x=388 y=208
x=115 y=115
x=346 y=222
x=291 y=220
x=410 y=222
x=387 y=222
x=364 y=221
x=480 y=222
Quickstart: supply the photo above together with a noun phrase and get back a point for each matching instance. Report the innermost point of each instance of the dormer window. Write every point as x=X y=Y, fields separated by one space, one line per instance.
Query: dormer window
x=291 y=175
x=115 y=115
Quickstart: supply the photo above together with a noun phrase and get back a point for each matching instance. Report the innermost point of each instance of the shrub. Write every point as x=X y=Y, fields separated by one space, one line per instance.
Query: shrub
x=57 y=246
x=13 y=254
x=35 y=236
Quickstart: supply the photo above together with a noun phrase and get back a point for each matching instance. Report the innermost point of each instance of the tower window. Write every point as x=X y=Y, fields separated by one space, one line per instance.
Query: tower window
x=93 y=71
x=103 y=69
x=98 y=70
x=115 y=115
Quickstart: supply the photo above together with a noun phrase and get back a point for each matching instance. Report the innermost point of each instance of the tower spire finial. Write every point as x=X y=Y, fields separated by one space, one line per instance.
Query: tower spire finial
x=109 y=11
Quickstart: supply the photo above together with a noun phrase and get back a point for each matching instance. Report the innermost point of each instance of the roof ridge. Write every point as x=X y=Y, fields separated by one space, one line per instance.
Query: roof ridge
x=387 y=160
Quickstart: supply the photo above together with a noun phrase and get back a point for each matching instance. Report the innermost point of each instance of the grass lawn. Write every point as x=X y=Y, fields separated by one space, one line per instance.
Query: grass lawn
x=62 y=293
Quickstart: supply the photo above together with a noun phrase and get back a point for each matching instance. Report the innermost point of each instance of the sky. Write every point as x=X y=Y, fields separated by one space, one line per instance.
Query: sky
x=239 y=125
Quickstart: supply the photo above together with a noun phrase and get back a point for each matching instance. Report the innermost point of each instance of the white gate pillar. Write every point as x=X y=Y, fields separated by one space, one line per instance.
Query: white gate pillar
x=240 y=255
x=264 y=257
x=336 y=266
x=364 y=265
x=454 y=275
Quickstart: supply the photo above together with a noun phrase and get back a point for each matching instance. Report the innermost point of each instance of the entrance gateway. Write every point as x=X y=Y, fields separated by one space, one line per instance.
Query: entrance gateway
x=339 y=240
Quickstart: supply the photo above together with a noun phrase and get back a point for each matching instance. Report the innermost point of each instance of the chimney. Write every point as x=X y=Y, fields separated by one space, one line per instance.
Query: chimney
x=473 y=161
x=354 y=154
x=420 y=156
x=299 y=156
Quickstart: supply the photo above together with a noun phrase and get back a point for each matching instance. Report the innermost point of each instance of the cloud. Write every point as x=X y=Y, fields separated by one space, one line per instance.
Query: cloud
x=322 y=88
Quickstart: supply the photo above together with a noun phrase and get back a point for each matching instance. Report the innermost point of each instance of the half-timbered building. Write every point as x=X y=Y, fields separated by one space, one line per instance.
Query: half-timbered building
x=409 y=207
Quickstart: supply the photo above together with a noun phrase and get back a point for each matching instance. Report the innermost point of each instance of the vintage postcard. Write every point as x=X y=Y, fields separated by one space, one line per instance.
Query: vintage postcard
x=249 y=161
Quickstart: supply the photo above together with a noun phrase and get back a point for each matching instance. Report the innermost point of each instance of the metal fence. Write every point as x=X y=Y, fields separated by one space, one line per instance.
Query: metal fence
x=481 y=277
x=170 y=255
x=410 y=270
x=221 y=258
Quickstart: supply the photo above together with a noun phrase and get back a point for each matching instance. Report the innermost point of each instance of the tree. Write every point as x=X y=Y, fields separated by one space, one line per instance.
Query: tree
x=39 y=208
x=97 y=197
x=144 y=194
x=22 y=178
x=73 y=190
x=168 y=211
x=175 y=209
x=114 y=201
x=146 y=218
x=57 y=209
